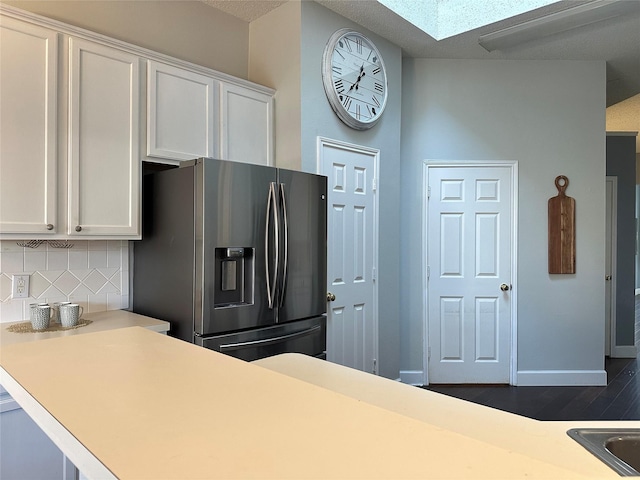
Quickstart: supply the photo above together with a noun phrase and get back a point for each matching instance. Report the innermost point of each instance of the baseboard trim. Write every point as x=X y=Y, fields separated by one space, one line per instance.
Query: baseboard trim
x=562 y=378
x=624 y=351
x=7 y=403
x=412 y=377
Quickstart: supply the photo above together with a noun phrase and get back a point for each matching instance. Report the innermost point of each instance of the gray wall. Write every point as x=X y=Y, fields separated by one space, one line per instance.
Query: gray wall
x=274 y=60
x=188 y=30
x=318 y=119
x=621 y=162
x=550 y=117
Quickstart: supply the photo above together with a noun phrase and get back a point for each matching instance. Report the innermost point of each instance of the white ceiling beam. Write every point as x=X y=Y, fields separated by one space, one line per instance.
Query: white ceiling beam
x=558 y=22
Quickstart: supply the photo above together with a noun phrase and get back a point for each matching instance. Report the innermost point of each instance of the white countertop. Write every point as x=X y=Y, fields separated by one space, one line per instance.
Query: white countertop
x=101 y=321
x=134 y=405
x=544 y=441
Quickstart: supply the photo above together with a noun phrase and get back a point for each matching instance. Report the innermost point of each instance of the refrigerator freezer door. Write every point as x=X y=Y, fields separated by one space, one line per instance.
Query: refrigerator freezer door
x=303 y=275
x=305 y=336
x=231 y=239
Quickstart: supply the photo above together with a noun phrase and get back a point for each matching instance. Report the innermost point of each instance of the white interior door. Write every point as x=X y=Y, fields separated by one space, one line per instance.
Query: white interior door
x=469 y=258
x=351 y=256
x=610 y=254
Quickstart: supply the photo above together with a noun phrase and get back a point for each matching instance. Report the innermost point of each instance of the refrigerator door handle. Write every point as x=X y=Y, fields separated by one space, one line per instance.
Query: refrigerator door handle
x=285 y=230
x=268 y=341
x=271 y=208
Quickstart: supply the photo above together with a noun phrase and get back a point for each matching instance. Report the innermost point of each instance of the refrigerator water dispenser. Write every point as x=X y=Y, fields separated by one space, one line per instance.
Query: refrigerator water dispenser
x=234 y=277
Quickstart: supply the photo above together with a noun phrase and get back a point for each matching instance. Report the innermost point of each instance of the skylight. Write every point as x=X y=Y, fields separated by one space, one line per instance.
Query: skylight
x=445 y=18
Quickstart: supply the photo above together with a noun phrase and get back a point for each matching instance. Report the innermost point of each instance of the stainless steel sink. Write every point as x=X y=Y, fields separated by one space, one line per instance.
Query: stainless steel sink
x=619 y=448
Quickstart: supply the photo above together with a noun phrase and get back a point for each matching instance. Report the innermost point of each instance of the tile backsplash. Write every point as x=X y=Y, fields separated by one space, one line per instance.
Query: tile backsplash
x=93 y=273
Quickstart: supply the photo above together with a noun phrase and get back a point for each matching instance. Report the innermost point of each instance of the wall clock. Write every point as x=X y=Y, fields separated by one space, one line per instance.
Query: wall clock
x=354 y=79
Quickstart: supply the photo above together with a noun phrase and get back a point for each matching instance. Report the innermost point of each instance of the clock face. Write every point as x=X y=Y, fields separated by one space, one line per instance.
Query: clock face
x=354 y=79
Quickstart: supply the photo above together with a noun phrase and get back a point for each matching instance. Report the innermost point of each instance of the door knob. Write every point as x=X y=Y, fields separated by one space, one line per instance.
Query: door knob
x=608 y=278
x=330 y=297
x=504 y=287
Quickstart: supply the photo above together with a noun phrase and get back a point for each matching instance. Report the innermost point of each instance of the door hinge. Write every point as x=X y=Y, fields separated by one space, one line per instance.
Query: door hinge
x=428 y=192
x=374 y=274
x=428 y=272
x=375 y=367
x=374 y=185
x=429 y=353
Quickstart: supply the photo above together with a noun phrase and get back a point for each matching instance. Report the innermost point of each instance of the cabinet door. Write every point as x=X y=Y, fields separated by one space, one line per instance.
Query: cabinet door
x=26 y=451
x=246 y=130
x=28 y=156
x=104 y=163
x=180 y=106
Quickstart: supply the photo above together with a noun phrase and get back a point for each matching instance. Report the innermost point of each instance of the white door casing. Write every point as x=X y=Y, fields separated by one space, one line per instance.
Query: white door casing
x=352 y=230
x=611 y=184
x=470 y=253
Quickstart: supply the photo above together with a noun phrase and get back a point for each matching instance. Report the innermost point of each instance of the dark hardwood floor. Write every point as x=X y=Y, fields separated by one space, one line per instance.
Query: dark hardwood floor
x=619 y=400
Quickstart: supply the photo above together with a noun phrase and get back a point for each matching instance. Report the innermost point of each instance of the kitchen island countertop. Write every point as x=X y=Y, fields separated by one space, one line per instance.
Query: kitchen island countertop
x=131 y=404
x=100 y=321
x=543 y=440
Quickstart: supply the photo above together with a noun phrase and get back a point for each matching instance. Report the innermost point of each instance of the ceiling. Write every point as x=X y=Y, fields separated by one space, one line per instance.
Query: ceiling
x=615 y=40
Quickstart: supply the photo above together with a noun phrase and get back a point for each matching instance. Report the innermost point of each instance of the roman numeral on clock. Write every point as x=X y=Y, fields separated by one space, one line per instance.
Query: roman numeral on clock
x=359 y=45
x=339 y=86
x=346 y=102
x=376 y=70
x=378 y=87
x=375 y=100
x=336 y=69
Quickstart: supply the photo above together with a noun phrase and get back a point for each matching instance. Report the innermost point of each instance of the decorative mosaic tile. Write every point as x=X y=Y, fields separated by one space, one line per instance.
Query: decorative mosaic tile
x=67 y=282
x=38 y=285
x=52 y=275
x=95 y=281
x=5 y=287
x=52 y=295
x=109 y=288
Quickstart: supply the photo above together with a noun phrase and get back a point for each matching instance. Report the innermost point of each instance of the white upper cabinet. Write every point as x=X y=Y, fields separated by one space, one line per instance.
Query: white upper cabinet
x=246 y=125
x=180 y=113
x=93 y=125
x=191 y=114
x=104 y=162
x=28 y=131
x=80 y=111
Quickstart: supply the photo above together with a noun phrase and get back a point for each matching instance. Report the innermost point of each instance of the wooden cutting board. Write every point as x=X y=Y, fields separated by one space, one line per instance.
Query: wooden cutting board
x=562 y=230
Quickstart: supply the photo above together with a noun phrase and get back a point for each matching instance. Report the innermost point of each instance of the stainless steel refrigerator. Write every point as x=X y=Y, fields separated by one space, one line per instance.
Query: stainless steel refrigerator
x=233 y=255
